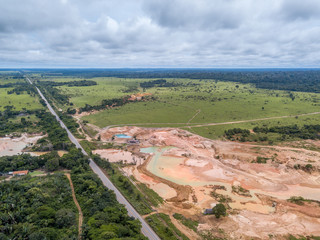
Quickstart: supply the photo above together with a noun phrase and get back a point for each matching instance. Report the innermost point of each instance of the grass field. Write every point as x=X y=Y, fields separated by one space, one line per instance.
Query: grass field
x=107 y=88
x=18 y=101
x=208 y=102
x=214 y=132
x=194 y=102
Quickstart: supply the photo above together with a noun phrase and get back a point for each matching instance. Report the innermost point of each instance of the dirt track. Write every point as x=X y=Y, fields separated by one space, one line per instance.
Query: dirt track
x=254 y=120
x=187 y=125
x=77 y=204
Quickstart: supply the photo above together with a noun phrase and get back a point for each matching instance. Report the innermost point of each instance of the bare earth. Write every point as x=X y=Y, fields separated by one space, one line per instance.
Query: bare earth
x=185 y=169
x=14 y=146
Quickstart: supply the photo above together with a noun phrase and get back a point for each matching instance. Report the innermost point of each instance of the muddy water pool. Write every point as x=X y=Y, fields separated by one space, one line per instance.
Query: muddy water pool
x=170 y=168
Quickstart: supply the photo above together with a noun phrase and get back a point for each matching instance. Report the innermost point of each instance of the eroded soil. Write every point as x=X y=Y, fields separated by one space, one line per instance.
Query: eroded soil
x=192 y=173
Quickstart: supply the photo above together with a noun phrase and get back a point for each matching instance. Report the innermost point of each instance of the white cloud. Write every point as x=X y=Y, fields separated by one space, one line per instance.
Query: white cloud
x=163 y=33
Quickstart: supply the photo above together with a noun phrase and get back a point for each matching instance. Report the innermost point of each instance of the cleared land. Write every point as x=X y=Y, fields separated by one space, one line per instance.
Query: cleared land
x=193 y=173
x=193 y=102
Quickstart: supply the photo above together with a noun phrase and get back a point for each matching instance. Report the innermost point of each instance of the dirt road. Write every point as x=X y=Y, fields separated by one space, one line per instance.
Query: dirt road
x=190 y=125
x=253 y=120
x=77 y=204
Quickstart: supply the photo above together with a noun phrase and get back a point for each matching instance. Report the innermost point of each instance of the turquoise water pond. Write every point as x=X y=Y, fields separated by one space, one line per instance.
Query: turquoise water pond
x=122 y=136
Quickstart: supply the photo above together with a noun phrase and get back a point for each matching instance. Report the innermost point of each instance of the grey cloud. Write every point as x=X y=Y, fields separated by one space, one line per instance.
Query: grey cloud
x=33 y=15
x=154 y=33
x=192 y=15
x=300 y=10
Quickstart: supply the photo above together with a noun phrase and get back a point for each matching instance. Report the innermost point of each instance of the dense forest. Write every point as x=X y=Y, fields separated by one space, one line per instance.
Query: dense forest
x=37 y=208
x=307 y=80
x=81 y=83
x=33 y=208
x=158 y=83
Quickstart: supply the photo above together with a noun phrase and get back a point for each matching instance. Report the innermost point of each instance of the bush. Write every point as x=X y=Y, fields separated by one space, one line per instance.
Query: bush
x=219 y=210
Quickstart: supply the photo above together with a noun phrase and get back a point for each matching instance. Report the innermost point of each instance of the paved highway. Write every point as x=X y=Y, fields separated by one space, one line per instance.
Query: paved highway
x=146 y=229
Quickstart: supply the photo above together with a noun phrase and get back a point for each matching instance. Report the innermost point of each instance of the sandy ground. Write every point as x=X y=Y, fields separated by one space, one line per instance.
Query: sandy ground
x=186 y=173
x=115 y=155
x=14 y=146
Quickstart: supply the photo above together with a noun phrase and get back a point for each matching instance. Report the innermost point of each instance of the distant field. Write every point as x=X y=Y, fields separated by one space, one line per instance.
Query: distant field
x=8 y=79
x=18 y=101
x=107 y=88
x=215 y=132
x=193 y=102
x=215 y=102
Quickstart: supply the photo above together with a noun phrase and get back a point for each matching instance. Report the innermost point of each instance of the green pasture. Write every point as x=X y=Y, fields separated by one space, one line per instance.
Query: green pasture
x=216 y=102
x=106 y=88
x=215 y=132
x=20 y=101
x=8 y=79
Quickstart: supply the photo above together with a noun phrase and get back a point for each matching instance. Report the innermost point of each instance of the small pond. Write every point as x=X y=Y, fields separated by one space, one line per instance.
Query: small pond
x=122 y=136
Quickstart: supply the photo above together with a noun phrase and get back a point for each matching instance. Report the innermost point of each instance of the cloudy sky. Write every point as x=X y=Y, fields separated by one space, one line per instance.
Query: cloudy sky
x=159 y=33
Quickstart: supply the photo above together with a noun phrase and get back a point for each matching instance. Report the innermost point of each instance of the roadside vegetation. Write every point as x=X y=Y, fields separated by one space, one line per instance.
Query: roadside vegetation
x=163 y=226
x=141 y=198
x=186 y=221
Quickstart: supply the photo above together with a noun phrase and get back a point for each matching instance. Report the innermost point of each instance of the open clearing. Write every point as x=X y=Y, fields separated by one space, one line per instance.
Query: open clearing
x=193 y=102
x=14 y=146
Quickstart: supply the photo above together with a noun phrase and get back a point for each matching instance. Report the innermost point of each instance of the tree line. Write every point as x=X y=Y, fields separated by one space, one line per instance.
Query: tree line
x=292 y=131
x=283 y=79
x=158 y=83
x=115 y=102
x=81 y=83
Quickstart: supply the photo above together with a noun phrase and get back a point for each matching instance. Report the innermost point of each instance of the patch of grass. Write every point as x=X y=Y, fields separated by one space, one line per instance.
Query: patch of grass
x=300 y=200
x=186 y=221
x=291 y=237
x=153 y=198
x=220 y=197
x=261 y=159
x=241 y=191
x=164 y=228
x=36 y=173
x=88 y=146
x=89 y=130
x=215 y=132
